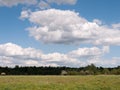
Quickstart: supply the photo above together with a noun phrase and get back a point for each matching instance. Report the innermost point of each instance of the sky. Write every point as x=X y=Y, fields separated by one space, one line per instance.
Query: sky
x=71 y=33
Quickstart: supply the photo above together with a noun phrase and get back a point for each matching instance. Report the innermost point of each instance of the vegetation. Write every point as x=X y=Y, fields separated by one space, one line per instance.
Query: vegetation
x=87 y=78
x=88 y=70
x=89 y=82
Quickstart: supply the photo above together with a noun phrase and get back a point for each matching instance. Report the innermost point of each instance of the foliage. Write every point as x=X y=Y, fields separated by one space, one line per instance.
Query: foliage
x=88 y=70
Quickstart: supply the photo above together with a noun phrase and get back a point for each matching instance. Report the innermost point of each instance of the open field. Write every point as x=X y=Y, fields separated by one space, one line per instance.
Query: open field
x=100 y=82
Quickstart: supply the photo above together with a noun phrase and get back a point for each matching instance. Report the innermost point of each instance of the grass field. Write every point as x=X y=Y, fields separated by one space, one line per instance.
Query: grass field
x=108 y=82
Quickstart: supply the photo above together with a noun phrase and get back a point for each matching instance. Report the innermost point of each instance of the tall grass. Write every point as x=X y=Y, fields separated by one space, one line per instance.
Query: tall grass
x=60 y=82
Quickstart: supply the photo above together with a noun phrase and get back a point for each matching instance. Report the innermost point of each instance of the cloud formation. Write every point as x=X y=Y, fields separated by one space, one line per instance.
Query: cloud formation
x=10 y=3
x=71 y=2
x=68 y=27
x=12 y=54
x=60 y=27
x=43 y=4
x=116 y=26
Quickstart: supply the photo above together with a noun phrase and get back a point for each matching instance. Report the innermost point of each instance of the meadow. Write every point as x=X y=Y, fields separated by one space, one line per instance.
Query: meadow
x=88 y=82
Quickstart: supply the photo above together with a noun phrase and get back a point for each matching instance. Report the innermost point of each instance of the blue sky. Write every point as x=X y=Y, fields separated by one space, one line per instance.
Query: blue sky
x=23 y=26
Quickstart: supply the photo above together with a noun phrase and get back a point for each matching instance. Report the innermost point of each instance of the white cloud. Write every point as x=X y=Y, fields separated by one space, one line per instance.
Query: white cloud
x=97 y=21
x=105 y=62
x=116 y=26
x=13 y=50
x=71 y=2
x=43 y=5
x=88 y=52
x=106 y=49
x=10 y=3
x=31 y=62
x=67 y=27
x=25 y=14
x=12 y=54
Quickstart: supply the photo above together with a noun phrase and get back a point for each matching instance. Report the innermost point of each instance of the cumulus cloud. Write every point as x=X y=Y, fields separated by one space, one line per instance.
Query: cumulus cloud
x=25 y=14
x=43 y=4
x=10 y=3
x=116 y=26
x=97 y=21
x=105 y=62
x=68 y=27
x=88 y=52
x=71 y=2
x=12 y=54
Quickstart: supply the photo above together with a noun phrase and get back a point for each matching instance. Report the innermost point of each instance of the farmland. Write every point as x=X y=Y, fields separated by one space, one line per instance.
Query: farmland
x=89 y=82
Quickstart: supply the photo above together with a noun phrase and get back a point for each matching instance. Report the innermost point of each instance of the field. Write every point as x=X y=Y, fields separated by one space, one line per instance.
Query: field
x=100 y=82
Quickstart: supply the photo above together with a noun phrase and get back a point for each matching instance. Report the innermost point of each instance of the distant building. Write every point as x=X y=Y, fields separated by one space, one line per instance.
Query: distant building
x=3 y=73
x=63 y=72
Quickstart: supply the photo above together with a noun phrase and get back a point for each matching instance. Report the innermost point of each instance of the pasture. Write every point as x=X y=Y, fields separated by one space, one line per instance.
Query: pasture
x=98 y=82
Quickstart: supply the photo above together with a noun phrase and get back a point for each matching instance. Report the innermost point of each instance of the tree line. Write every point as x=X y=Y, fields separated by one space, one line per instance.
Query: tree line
x=33 y=70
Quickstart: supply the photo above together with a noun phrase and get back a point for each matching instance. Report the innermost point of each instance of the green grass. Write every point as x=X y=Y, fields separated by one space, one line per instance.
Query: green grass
x=100 y=82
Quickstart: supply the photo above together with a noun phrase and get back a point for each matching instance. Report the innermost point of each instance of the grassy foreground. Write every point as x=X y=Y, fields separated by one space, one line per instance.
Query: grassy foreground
x=101 y=82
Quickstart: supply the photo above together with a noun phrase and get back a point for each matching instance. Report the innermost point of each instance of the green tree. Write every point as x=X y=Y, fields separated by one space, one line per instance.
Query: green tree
x=92 y=69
